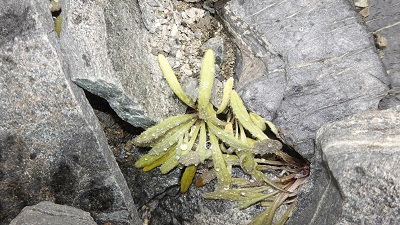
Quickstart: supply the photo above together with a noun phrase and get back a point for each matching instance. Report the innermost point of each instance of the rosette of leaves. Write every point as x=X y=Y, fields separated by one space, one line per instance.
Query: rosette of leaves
x=200 y=136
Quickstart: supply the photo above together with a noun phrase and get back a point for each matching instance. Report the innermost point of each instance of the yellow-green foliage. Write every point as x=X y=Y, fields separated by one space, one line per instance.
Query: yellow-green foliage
x=57 y=25
x=192 y=139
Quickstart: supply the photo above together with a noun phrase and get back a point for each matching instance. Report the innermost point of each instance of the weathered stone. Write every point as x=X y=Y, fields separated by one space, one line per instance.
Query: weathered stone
x=363 y=154
x=107 y=45
x=301 y=65
x=319 y=56
x=48 y=213
x=51 y=145
x=158 y=196
x=384 y=22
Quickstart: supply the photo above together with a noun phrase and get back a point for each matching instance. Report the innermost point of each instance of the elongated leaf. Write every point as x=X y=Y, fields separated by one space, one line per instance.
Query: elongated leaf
x=226 y=95
x=211 y=116
x=161 y=160
x=249 y=165
x=243 y=137
x=171 y=139
x=253 y=198
x=228 y=138
x=244 y=118
x=160 y=129
x=231 y=159
x=187 y=177
x=148 y=159
x=244 y=197
x=229 y=128
x=274 y=130
x=206 y=81
x=168 y=165
x=173 y=81
x=57 y=24
x=223 y=176
x=201 y=146
x=193 y=138
x=258 y=121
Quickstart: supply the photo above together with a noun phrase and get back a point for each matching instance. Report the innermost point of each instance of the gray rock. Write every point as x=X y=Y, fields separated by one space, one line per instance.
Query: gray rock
x=51 y=145
x=158 y=196
x=363 y=154
x=383 y=21
x=301 y=65
x=109 y=57
x=48 y=213
x=318 y=56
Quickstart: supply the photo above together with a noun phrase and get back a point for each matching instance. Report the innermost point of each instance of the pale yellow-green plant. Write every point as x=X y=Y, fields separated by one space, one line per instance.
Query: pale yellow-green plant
x=188 y=140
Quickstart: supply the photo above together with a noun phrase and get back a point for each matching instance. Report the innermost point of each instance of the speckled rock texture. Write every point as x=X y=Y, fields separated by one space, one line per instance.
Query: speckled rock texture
x=384 y=22
x=51 y=145
x=363 y=154
x=302 y=64
x=106 y=43
x=48 y=213
x=317 y=52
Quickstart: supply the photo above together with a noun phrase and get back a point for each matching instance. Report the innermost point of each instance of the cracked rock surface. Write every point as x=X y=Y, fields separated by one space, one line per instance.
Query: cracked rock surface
x=52 y=147
x=362 y=152
x=48 y=213
x=301 y=64
x=319 y=55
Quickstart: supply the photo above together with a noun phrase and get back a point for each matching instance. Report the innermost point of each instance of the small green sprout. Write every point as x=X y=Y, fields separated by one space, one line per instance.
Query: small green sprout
x=189 y=140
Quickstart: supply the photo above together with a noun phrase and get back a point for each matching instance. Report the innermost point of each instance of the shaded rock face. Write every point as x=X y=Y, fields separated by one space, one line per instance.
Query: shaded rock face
x=48 y=213
x=107 y=47
x=301 y=65
x=51 y=146
x=320 y=64
x=362 y=152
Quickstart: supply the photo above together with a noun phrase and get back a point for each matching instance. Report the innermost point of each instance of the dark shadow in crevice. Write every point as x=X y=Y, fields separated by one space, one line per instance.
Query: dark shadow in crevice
x=108 y=116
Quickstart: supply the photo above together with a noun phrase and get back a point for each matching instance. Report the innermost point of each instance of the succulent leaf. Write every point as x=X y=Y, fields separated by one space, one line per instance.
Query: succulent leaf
x=245 y=197
x=244 y=118
x=169 y=165
x=148 y=159
x=171 y=152
x=171 y=138
x=223 y=176
x=206 y=82
x=228 y=138
x=201 y=146
x=226 y=95
x=187 y=177
x=211 y=116
x=249 y=165
x=193 y=138
x=173 y=81
x=154 y=132
x=275 y=130
x=57 y=25
x=258 y=121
